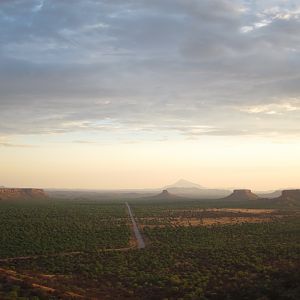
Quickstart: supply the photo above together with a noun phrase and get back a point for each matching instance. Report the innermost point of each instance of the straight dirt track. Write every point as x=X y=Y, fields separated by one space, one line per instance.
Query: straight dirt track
x=138 y=236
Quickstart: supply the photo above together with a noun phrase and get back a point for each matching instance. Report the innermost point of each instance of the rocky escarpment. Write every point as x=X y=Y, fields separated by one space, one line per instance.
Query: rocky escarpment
x=289 y=197
x=239 y=195
x=19 y=193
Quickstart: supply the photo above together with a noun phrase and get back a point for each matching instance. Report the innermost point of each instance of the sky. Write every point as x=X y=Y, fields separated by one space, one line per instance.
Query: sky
x=139 y=93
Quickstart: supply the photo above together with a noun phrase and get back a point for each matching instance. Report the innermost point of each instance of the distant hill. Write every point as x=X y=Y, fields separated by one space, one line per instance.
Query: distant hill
x=241 y=195
x=187 y=189
x=273 y=194
x=182 y=183
x=199 y=193
x=21 y=193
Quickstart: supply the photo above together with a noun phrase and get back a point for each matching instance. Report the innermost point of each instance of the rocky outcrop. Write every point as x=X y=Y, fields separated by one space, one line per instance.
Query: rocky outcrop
x=289 y=197
x=19 y=193
x=165 y=195
x=240 y=195
x=291 y=194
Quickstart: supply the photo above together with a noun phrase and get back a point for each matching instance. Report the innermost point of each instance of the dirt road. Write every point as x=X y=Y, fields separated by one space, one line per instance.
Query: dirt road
x=138 y=236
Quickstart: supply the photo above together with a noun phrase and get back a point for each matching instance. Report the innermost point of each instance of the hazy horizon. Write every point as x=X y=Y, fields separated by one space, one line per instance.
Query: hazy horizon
x=138 y=94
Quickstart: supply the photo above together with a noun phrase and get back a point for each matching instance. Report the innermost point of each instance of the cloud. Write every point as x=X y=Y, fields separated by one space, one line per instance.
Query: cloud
x=12 y=145
x=293 y=105
x=149 y=66
x=39 y=6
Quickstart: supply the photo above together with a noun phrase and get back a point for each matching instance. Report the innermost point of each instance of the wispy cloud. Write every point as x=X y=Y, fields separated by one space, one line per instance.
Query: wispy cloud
x=273 y=108
x=12 y=145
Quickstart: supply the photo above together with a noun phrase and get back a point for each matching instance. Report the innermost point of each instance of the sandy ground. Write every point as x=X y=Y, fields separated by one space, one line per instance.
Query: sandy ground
x=262 y=215
x=241 y=210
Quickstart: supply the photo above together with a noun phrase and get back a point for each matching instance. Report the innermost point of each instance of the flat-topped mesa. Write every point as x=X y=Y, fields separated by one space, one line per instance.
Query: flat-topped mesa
x=20 y=193
x=295 y=194
x=289 y=197
x=241 y=194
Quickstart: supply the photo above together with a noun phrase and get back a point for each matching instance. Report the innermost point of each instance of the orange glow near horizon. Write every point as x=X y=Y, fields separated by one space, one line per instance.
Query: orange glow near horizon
x=210 y=162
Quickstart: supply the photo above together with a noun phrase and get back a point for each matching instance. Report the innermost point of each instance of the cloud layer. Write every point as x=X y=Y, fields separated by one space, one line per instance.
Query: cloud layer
x=138 y=68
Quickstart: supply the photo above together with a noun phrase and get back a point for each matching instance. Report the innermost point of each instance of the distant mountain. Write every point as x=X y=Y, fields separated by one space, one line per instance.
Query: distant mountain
x=241 y=195
x=187 y=189
x=273 y=194
x=182 y=183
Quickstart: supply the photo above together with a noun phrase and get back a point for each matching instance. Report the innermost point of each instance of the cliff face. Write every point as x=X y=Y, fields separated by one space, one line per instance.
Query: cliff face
x=290 y=197
x=16 y=193
x=241 y=195
x=295 y=194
